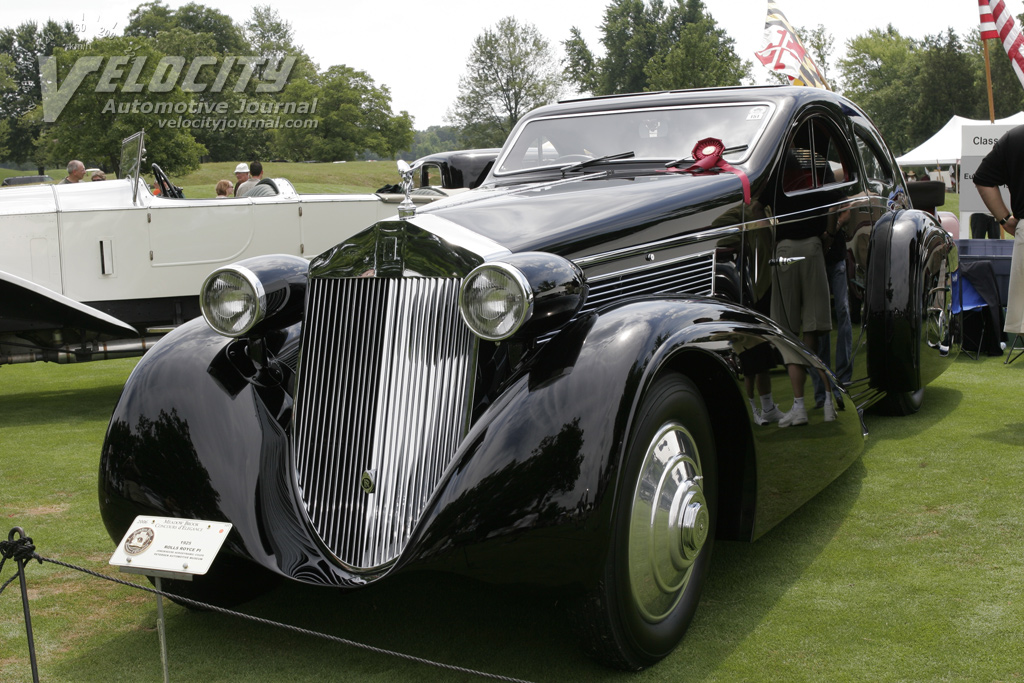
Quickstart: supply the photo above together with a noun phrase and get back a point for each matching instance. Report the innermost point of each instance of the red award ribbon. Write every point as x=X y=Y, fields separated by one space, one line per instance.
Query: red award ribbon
x=708 y=155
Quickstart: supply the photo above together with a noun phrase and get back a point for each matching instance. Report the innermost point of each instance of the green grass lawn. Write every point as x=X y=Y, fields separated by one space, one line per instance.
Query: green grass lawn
x=55 y=173
x=348 y=178
x=353 y=177
x=909 y=567
x=952 y=203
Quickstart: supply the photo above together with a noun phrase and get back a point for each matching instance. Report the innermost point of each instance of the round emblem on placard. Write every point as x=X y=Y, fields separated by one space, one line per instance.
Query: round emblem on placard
x=140 y=539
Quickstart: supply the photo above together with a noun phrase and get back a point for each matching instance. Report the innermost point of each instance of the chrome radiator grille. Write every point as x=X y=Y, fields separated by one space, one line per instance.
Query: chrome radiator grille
x=384 y=390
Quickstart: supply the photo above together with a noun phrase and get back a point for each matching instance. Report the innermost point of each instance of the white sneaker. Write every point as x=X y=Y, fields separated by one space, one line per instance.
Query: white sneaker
x=773 y=414
x=796 y=416
x=830 y=411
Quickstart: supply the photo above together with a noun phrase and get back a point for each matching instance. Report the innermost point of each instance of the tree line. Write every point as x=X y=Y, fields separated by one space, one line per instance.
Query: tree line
x=202 y=85
x=910 y=87
x=194 y=66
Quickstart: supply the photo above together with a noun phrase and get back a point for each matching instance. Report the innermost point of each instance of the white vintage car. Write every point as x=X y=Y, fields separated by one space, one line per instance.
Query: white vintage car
x=142 y=258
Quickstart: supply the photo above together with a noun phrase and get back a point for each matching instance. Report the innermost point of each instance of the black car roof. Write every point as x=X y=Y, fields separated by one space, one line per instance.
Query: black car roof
x=771 y=93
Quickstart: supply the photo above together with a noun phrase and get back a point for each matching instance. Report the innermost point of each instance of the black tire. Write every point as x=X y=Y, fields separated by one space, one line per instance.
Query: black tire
x=627 y=620
x=229 y=582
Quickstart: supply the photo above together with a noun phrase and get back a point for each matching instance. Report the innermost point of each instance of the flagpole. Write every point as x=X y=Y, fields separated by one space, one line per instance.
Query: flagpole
x=988 y=81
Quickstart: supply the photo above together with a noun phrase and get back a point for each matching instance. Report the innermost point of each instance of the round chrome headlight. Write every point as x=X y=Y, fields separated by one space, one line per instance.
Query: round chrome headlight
x=495 y=301
x=233 y=300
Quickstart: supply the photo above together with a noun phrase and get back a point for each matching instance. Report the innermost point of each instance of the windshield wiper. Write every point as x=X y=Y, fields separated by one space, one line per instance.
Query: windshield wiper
x=690 y=160
x=569 y=167
x=576 y=165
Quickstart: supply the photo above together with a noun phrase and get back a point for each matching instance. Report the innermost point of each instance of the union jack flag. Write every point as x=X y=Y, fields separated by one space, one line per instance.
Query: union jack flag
x=997 y=22
x=783 y=52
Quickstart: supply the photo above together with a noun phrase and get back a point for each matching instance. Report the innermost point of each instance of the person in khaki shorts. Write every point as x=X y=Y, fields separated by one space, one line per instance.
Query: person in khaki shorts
x=800 y=304
x=800 y=295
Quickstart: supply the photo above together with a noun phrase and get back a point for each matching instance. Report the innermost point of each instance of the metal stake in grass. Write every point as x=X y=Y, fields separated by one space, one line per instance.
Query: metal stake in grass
x=22 y=550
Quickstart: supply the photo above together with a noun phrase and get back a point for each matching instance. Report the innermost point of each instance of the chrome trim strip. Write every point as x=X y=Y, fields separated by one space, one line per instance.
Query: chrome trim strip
x=453 y=233
x=598 y=279
x=693 y=274
x=693 y=238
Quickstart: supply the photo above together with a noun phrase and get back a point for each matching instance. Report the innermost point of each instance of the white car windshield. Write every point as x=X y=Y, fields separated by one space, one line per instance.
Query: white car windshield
x=651 y=134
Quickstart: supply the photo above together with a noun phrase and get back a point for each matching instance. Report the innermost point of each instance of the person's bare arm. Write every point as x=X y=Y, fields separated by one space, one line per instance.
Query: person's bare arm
x=995 y=205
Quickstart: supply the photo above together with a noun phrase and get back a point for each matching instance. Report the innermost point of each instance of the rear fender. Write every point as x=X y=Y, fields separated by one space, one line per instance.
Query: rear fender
x=909 y=302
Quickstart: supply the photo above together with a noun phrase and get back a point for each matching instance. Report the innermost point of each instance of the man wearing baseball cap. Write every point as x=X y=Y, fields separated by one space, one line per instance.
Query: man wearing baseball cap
x=242 y=174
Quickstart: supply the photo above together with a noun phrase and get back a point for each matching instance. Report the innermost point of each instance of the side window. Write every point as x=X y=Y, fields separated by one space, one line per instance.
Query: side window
x=430 y=176
x=842 y=167
x=877 y=170
x=798 y=172
x=816 y=158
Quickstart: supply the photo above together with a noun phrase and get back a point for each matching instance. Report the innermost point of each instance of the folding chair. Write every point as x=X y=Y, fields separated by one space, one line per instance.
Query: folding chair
x=1017 y=338
x=965 y=300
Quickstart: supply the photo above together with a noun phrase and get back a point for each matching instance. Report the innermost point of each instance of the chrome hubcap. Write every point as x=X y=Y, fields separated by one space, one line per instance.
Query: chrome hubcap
x=669 y=522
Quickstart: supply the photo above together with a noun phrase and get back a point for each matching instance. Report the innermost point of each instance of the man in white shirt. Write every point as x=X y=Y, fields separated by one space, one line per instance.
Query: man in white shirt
x=241 y=175
x=255 y=176
x=260 y=186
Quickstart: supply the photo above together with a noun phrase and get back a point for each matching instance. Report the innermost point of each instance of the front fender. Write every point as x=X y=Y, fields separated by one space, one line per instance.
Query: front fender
x=530 y=494
x=188 y=438
x=28 y=306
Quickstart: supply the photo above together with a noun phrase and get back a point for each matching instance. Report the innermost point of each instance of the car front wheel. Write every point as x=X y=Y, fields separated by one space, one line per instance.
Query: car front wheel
x=663 y=532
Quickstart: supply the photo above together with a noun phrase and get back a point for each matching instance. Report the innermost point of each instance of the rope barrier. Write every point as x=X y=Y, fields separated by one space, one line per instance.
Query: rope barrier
x=22 y=551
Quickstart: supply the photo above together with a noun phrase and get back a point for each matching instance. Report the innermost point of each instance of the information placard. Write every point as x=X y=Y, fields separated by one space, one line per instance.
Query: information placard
x=169 y=544
x=977 y=141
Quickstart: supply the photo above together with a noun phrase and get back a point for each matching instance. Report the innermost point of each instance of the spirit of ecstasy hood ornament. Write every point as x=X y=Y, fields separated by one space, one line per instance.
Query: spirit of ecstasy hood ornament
x=406 y=209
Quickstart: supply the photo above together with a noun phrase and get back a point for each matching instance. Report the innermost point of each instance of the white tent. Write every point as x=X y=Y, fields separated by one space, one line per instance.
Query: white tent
x=944 y=146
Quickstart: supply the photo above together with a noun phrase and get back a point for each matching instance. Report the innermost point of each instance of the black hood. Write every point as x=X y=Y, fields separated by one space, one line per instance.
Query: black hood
x=565 y=216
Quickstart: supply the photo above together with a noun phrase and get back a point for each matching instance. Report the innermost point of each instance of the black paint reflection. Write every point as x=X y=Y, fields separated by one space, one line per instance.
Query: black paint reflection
x=496 y=507
x=157 y=468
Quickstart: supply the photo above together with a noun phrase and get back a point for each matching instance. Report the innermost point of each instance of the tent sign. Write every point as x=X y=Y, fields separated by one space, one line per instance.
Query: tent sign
x=168 y=544
x=976 y=142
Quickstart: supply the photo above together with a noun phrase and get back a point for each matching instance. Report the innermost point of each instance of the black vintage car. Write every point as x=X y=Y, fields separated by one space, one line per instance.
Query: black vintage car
x=543 y=379
x=462 y=168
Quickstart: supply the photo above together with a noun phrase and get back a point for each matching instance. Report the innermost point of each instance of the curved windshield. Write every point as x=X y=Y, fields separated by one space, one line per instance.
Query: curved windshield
x=651 y=134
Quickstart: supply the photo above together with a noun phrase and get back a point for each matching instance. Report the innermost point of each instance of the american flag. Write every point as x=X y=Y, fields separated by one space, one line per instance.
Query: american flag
x=988 y=24
x=997 y=22
x=783 y=51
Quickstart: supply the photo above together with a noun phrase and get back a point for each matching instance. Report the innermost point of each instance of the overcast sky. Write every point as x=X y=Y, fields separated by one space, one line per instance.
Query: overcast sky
x=418 y=49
